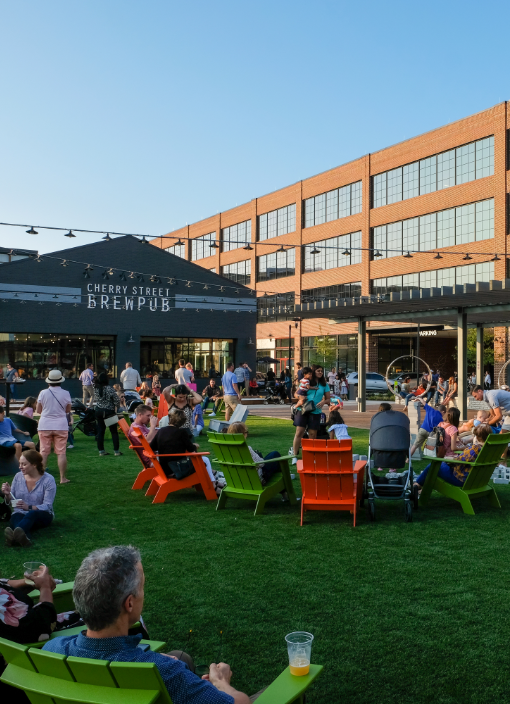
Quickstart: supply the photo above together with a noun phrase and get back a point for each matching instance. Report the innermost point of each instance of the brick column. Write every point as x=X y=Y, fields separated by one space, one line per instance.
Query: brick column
x=372 y=353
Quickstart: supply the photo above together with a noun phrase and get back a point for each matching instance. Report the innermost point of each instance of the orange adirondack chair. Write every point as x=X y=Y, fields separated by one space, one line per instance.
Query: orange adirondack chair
x=161 y=485
x=328 y=480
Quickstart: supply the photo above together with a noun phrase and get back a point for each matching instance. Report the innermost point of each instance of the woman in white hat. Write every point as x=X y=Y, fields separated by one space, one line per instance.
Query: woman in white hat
x=53 y=404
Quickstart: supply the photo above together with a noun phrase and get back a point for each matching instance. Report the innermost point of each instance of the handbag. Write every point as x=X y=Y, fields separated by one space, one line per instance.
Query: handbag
x=181 y=468
x=308 y=406
x=112 y=420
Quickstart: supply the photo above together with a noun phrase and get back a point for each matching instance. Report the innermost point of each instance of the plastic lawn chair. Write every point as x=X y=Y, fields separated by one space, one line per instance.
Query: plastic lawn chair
x=47 y=678
x=240 y=471
x=328 y=479
x=477 y=482
x=148 y=473
x=161 y=485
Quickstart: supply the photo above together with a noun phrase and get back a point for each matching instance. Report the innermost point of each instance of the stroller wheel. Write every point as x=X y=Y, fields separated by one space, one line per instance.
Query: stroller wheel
x=371 y=511
x=409 y=512
x=282 y=402
x=266 y=402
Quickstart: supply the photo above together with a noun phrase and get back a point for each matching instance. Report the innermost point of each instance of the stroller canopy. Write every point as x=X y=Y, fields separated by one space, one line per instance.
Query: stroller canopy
x=389 y=431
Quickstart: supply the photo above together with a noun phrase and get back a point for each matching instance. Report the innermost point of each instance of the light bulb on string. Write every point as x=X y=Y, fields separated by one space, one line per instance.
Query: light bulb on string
x=70 y=234
x=31 y=231
x=107 y=238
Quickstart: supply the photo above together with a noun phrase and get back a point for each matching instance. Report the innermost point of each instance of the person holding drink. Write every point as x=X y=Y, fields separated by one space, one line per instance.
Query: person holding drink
x=31 y=498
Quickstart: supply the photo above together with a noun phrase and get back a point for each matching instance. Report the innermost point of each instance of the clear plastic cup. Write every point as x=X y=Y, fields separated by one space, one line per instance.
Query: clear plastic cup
x=30 y=567
x=299 y=646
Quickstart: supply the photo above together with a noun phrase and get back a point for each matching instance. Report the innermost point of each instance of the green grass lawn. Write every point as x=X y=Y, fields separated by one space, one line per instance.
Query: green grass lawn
x=400 y=612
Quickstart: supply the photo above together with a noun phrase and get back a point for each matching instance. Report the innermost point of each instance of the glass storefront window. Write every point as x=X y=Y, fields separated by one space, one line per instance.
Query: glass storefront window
x=35 y=354
x=160 y=355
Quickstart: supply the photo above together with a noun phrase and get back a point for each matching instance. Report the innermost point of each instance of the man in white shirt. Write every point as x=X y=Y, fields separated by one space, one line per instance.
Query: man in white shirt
x=87 y=381
x=130 y=378
x=487 y=381
x=183 y=375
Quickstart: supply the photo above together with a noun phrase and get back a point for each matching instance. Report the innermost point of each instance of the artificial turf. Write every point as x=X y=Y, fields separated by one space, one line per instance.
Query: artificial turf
x=401 y=612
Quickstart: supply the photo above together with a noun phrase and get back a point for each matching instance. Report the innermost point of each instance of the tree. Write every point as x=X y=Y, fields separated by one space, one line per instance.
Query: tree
x=324 y=350
x=488 y=346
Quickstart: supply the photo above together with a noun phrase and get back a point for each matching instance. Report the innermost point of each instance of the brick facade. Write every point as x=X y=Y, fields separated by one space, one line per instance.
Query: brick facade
x=493 y=121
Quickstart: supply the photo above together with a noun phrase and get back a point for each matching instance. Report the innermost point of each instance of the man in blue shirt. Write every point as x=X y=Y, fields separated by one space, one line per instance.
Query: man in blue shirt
x=108 y=594
x=231 y=393
x=8 y=439
x=433 y=416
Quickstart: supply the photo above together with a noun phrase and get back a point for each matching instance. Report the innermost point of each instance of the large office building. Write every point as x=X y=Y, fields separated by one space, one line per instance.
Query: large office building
x=425 y=213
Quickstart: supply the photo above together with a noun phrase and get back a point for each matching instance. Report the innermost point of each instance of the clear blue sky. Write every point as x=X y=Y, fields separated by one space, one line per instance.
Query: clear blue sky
x=142 y=116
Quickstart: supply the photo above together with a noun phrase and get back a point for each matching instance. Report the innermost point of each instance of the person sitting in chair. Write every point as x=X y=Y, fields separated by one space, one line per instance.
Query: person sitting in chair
x=10 y=435
x=143 y=417
x=457 y=474
x=109 y=594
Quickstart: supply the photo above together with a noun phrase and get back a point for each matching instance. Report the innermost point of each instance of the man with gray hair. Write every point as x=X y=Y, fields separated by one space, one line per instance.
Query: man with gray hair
x=108 y=594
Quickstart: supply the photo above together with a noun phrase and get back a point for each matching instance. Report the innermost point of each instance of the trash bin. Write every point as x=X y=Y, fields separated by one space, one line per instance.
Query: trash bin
x=353 y=392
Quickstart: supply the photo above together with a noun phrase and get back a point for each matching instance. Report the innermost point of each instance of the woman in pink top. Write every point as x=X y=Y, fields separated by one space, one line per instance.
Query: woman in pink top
x=28 y=408
x=451 y=432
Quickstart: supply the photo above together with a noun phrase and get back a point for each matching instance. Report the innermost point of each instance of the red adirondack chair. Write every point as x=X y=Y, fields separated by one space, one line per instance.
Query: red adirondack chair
x=161 y=485
x=148 y=473
x=328 y=479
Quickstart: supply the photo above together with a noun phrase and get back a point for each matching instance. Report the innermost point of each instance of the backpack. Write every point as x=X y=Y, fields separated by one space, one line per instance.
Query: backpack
x=434 y=447
x=239 y=372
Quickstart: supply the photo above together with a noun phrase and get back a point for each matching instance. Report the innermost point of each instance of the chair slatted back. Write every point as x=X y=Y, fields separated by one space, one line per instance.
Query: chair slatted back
x=327 y=473
x=88 y=671
x=16 y=654
x=51 y=664
x=236 y=461
x=140 y=675
x=485 y=463
x=123 y=424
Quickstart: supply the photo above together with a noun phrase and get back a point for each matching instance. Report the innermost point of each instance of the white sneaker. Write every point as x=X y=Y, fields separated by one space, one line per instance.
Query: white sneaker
x=70 y=447
x=212 y=414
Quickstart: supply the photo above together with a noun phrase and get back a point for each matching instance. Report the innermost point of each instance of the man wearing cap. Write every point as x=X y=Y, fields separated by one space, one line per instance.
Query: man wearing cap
x=54 y=404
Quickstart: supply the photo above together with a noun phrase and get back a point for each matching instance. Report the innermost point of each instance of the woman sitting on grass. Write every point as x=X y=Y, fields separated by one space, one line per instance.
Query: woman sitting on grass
x=35 y=490
x=457 y=474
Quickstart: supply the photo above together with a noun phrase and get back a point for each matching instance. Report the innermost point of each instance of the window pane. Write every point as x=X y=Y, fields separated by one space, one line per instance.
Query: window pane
x=291 y=217
x=484 y=271
x=465 y=274
x=485 y=157
x=410 y=282
x=331 y=252
x=428 y=175
x=379 y=190
x=263 y=227
x=446 y=228
x=428 y=279
x=465 y=163
x=394 y=284
x=394 y=185
x=484 y=219
x=410 y=239
x=282 y=221
x=394 y=239
x=428 y=232
x=309 y=212
x=380 y=239
x=332 y=206
x=271 y=224
x=320 y=209
x=446 y=169
x=356 y=197
x=465 y=224
x=411 y=180
x=356 y=248
x=344 y=201
x=446 y=277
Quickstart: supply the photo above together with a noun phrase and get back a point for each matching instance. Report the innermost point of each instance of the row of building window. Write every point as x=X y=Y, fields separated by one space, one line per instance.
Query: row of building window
x=179 y=250
x=273 y=303
x=467 y=223
x=277 y=222
x=467 y=163
x=236 y=236
x=276 y=265
x=333 y=205
x=331 y=293
x=201 y=246
x=240 y=272
x=453 y=276
x=332 y=253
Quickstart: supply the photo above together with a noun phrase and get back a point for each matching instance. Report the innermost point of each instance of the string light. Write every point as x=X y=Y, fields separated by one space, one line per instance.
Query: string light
x=107 y=238
x=32 y=231
x=466 y=258
x=408 y=256
x=70 y=234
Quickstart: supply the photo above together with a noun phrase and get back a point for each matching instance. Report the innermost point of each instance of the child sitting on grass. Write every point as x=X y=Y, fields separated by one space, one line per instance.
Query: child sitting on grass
x=337 y=428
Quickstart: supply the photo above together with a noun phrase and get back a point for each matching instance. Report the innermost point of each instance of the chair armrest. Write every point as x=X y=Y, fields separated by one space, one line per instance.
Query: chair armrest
x=62 y=596
x=286 y=688
x=277 y=459
x=360 y=465
x=184 y=454
x=451 y=460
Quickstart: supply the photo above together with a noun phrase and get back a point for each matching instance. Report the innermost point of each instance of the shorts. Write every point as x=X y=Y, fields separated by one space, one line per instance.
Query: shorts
x=231 y=402
x=421 y=436
x=310 y=421
x=506 y=424
x=57 y=437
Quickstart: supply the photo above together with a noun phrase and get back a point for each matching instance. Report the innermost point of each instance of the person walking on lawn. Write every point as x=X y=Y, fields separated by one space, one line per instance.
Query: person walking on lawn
x=87 y=382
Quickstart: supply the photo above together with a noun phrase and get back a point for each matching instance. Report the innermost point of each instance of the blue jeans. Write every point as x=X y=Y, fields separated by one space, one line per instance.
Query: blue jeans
x=13 y=390
x=31 y=520
x=197 y=430
x=445 y=473
x=407 y=397
x=207 y=401
x=273 y=468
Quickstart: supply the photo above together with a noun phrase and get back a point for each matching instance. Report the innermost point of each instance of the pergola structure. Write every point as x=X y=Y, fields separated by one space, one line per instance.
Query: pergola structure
x=484 y=304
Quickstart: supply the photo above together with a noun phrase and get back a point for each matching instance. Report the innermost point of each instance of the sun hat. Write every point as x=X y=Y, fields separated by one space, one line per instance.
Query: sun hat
x=55 y=377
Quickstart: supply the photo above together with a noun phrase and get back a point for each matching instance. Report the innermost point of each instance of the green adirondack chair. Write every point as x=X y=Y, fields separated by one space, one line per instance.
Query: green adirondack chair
x=477 y=482
x=240 y=471
x=50 y=678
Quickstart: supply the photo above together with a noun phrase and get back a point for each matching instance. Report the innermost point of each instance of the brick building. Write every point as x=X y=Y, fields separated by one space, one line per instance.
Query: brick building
x=428 y=212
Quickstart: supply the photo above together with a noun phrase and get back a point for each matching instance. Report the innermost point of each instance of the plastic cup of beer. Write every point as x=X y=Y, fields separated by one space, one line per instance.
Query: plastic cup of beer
x=299 y=646
x=30 y=567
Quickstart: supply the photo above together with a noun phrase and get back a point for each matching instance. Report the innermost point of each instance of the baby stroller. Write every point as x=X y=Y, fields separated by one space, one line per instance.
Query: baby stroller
x=86 y=421
x=133 y=399
x=389 y=447
x=274 y=393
